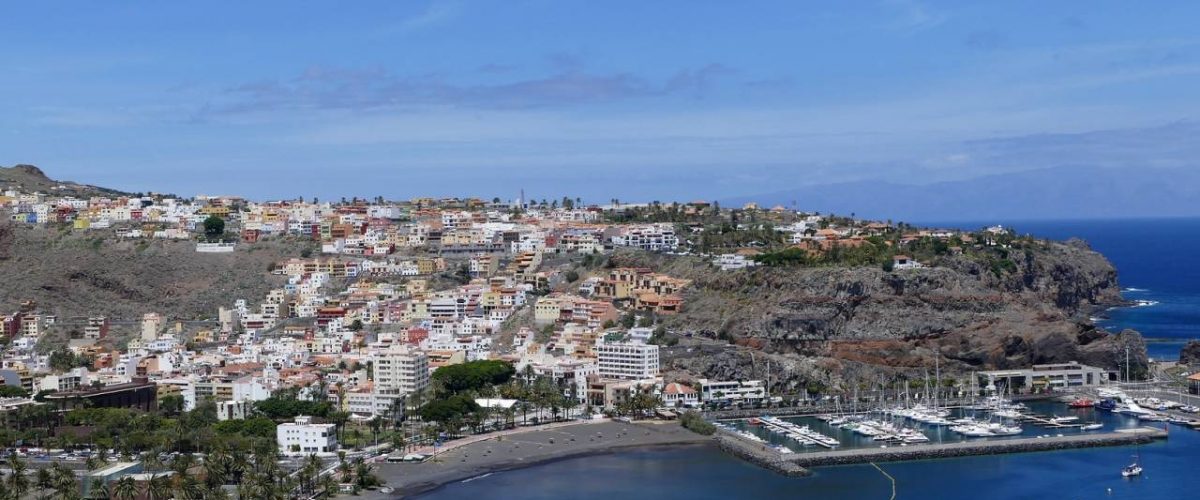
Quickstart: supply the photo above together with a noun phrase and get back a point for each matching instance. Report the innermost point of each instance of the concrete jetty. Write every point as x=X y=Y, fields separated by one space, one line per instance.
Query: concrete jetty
x=1121 y=437
x=758 y=454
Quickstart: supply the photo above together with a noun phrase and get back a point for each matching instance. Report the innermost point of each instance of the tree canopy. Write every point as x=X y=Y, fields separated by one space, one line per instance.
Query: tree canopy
x=214 y=226
x=473 y=375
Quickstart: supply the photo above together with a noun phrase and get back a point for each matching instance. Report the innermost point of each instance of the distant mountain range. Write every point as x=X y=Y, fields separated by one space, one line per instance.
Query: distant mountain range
x=28 y=178
x=1052 y=193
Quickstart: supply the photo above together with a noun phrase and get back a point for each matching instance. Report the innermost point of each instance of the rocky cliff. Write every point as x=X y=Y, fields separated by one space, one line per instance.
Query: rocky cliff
x=831 y=325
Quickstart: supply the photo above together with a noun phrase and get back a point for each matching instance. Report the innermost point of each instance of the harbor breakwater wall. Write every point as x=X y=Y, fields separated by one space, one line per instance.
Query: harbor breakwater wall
x=972 y=448
x=758 y=454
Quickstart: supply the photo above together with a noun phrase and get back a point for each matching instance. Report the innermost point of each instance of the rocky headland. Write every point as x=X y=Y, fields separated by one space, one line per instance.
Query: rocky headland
x=834 y=326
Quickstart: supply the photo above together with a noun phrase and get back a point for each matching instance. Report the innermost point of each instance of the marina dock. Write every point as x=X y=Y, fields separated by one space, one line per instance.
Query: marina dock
x=801 y=434
x=1121 y=437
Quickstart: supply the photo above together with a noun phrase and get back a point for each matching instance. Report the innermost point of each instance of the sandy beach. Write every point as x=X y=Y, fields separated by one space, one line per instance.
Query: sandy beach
x=528 y=448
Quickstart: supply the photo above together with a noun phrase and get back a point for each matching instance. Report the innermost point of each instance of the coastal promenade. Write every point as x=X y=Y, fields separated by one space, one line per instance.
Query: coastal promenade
x=1123 y=437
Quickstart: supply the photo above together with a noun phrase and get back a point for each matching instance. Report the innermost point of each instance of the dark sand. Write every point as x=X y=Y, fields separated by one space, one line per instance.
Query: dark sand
x=526 y=449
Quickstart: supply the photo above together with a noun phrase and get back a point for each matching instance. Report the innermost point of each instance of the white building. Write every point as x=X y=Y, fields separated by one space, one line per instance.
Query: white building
x=232 y=410
x=653 y=237
x=731 y=261
x=303 y=437
x=401 y=368
x=905 y=262
x=627 y=361
x=731 y=391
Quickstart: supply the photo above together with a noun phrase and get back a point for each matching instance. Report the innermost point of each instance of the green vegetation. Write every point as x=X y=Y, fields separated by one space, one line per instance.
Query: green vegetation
x=284 y=405
x=472 y=375
x=62 y=359
x=446 y=410
x=729 y=236
x=12 y=391
x=691 y=420
x=214 y=227
x=252 y=427
x=237 y=452
x=641 y=404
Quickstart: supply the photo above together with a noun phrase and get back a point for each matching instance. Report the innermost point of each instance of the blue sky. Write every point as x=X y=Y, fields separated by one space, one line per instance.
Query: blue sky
x=634 y=100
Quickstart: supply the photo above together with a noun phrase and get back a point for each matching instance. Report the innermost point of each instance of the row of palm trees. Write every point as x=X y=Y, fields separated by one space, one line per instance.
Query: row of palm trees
x=256 y=473
x=57 y=479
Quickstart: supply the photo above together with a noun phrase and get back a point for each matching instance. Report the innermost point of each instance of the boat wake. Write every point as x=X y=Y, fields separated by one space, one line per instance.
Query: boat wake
x=1145 y=303
x=1134 y=290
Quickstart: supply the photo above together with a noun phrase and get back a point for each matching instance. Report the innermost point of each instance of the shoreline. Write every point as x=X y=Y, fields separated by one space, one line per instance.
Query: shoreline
x=416 y=489
x=529 y=449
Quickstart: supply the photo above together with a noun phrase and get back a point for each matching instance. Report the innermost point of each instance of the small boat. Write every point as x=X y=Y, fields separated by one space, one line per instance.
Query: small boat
x=755 y=421
x=1082 y=403
x=1106 y=405
x=1091 y=427
x=1131 y=470
x=1064 y=420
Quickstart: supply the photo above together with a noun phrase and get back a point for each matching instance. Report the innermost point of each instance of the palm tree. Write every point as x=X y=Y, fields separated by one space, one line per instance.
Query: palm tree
x=238 y=464
x=44 y=480
x=216 y=493
x=344 y=470
x=152 y=461
x=63 y=481
x=100 y=489
x=376 y=424
x=17 y=481
x=364 y=475
x=188 y=488
x=310 y=473
x=159 y=487
x=215 y=469
x=329 y=488
x=125 y=489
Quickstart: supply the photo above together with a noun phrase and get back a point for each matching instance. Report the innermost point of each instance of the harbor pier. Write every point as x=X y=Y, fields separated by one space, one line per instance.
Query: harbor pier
x=1122 y=437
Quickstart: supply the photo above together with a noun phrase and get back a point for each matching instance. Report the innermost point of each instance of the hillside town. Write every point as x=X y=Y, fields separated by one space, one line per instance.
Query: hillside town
x=385 y=300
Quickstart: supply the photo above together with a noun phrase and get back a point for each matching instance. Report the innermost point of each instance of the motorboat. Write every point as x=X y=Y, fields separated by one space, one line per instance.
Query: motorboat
x=1091 y=427
x=1082 y=403
x=1009 y=414
x=1131 y=470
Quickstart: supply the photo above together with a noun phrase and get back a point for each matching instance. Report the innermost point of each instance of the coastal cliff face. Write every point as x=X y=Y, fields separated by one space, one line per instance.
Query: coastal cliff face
x=833 y=325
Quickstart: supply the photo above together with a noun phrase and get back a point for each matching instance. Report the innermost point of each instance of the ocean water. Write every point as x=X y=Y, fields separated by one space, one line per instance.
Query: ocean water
x=707 y=473
x=1157 y=263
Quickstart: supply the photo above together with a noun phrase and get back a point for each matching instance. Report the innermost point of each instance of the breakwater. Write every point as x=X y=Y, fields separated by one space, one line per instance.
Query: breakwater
x=1123 y=437
x=758 y=454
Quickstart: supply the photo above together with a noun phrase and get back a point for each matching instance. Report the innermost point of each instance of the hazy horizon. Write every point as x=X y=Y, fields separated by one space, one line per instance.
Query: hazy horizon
x=622 y=100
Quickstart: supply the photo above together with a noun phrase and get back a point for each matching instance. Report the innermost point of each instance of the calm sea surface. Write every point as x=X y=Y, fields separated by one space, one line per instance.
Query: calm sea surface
x=1158 y=263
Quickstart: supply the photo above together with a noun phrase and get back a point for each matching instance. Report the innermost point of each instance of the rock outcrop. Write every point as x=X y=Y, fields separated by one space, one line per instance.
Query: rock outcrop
x=1190 y=353
x=828 y=325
